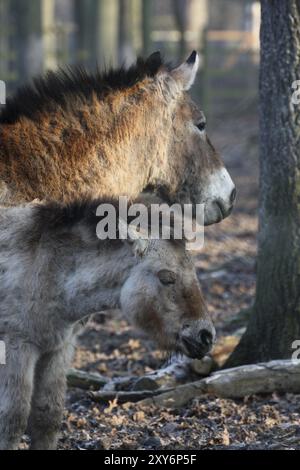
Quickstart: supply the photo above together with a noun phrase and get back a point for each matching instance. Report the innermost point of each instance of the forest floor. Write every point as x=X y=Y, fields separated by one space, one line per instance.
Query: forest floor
x=226 y=268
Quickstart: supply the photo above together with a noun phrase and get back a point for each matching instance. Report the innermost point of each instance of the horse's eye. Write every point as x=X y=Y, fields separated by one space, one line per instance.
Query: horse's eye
x=166 y=277
x=201 y=126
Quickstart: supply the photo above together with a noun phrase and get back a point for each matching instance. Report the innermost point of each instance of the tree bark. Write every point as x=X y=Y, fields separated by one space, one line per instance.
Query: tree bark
x=275 y=320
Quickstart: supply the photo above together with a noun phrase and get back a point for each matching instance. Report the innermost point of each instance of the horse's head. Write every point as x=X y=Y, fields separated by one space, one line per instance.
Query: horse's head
x=162 y=296
x=192 y=170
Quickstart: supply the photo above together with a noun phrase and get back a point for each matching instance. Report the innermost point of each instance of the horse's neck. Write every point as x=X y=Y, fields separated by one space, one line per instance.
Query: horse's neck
x=96 y=282
x=134 y=144
x=115 y=147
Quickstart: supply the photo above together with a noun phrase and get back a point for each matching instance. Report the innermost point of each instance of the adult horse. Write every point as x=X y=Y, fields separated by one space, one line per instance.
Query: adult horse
x=72 y=134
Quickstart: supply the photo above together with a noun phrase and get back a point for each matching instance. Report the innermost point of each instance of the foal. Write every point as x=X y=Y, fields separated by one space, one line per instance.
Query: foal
x=54 y=271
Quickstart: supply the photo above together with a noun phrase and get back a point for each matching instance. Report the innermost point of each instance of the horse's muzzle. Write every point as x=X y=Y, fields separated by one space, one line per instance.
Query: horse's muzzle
x=197 y=347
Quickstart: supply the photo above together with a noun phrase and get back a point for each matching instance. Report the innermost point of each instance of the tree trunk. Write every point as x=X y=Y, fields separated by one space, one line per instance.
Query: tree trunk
x=4 y=40
x=36 y=41
x=106 y=42
x=48 y=34
x=126 y=53
x=275 y=320
x=181 y=8
x=146 y=26
x=83 y=19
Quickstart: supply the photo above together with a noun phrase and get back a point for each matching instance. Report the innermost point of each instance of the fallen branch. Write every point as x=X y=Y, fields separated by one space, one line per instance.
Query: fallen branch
x=275 y=376
x=85 y=380
x=180 y=370
x=124 y=397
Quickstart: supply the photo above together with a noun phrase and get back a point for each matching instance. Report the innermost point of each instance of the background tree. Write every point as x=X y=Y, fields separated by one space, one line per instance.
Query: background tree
x=35 y=23
x=147 y=12
x=181 y=12
x=83 y=19
x=97 y=31
x=48 y=34
x=105 y=40
x=275 y=320
x=126 y=53
x=4 y=43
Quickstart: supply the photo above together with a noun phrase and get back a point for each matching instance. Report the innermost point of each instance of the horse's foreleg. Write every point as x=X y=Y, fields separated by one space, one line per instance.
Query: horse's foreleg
x=48 y=399
x=16 y=385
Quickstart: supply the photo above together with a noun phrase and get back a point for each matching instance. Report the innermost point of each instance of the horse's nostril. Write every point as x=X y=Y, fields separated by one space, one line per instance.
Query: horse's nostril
x=206 y=337
x=233 y=195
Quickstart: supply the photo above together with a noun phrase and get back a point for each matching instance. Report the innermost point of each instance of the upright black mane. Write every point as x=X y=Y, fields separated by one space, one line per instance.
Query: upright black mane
x=55 y=87
x=54 y=217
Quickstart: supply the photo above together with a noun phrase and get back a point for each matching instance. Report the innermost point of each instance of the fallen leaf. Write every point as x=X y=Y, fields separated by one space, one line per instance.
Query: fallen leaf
x=225 y=437
x=117 y=420
x=81 y=423
x=139 y=416
x=224 y=347
x=112 y=405
x=134 y=344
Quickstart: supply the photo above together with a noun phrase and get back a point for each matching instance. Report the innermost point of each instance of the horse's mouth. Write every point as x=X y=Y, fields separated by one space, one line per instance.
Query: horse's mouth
x=224 y=212
x=187 y=345
x=216 y=212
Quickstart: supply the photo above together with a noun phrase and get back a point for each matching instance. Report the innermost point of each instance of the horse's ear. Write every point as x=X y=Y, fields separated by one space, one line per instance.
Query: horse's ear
x=154 y=61
x=137 y=240
x=140 y=246
x=186 y=73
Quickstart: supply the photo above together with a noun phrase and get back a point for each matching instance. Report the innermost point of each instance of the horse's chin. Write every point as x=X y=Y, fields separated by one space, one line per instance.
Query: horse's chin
x=180 y=350
x=198 y=356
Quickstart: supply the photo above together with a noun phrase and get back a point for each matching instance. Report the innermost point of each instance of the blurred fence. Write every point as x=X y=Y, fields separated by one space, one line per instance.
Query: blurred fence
x=37 y=35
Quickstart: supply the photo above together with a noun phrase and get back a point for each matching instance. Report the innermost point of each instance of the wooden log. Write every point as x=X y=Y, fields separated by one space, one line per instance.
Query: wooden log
x=178 y=371
x=275 y=376
x=85 y=380
x=124 y=397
